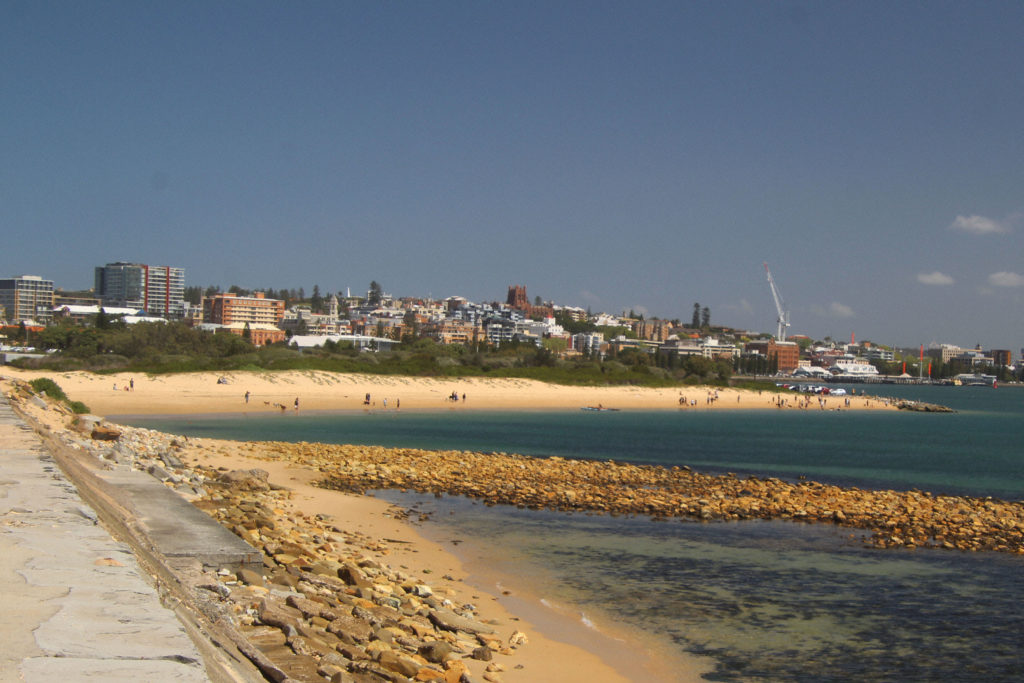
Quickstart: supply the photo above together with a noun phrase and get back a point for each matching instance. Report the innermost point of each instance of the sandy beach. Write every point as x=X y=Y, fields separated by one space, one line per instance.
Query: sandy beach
x=140 y=394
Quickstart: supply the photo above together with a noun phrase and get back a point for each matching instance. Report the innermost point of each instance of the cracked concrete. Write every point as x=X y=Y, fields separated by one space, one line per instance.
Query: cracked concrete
x=75 y=604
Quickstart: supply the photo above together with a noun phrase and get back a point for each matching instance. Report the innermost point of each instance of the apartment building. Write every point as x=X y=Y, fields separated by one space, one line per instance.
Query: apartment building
x=27 y=298
x=228 y=309
x=159 y=290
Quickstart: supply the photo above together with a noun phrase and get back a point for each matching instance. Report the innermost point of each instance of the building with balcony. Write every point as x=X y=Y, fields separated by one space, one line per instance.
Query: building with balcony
x=159 y=290
x=228 y=309
x=27 y=298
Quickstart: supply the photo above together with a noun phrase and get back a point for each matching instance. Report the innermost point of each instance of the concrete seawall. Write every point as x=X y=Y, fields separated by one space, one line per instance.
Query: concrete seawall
x=77 y=605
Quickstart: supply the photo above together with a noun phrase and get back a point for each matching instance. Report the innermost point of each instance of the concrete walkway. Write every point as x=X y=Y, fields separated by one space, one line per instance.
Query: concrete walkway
x=74 y=604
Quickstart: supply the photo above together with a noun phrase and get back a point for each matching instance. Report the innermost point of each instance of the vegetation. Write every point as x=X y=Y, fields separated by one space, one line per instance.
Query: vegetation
x=45 y=385
x=175 y=347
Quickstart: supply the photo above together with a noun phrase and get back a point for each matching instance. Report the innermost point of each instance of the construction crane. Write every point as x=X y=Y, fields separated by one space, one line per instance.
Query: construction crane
x=783 y=319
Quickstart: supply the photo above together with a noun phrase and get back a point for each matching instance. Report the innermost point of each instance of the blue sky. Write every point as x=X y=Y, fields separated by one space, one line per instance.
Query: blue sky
x=608 y=155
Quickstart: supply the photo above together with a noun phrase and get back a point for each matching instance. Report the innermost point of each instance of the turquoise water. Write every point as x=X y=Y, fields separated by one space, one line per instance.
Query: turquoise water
x=767 y=601
x=974 y=451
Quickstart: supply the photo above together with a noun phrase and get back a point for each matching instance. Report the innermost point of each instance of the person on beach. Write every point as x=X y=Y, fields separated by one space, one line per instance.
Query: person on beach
x=131 y=383
x=296 y=404
x=385 y=404
x=247 y=397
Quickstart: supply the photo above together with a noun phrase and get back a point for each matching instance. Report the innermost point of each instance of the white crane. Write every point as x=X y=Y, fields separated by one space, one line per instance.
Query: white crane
x=783 y=319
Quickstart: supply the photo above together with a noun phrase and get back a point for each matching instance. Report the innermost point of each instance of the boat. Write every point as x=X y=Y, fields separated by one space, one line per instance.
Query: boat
x=975 y=379
x=599 y=409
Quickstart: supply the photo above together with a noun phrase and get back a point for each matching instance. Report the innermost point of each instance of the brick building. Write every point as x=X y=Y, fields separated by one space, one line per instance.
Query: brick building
x=785 y=354
x=518 y=300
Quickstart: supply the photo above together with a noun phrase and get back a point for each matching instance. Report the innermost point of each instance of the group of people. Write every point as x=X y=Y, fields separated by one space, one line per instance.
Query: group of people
x=711 y=398
x=127 y=387
x=368 y=402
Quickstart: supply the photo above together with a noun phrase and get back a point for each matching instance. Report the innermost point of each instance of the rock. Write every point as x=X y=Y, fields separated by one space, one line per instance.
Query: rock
x=246 y=480
x=517 y=639
x=483 y=654
x=450 y=621
x=104 y=433
x=249 y=577
x=353 y=576
x=399 y=663
x=435 y=652
x=271 y=615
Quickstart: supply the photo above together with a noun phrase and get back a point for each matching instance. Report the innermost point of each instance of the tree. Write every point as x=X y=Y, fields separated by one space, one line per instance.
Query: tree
x=316 y=302
x=537 y=301
x=193 y=295
x=695 y=323
x=705 y=317
x=102 y=320
x=375 y=294
x=247 y=333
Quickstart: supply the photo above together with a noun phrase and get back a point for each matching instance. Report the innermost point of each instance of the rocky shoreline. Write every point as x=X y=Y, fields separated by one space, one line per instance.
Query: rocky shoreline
x=326 y=605
x=892 y=519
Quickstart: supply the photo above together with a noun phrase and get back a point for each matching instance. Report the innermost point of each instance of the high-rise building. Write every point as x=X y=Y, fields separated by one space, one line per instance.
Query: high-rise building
x=160 y=290
x=27 y=298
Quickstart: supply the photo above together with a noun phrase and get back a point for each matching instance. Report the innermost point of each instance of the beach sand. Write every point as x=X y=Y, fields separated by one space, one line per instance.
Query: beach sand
x=317 y=390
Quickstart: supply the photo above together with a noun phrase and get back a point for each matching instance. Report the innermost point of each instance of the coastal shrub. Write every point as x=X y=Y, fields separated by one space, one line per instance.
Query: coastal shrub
x=78 y=408
x=49 y=387
x=45 y=385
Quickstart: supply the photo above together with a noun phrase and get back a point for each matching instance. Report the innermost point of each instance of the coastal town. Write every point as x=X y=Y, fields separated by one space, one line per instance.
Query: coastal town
x=134 y=293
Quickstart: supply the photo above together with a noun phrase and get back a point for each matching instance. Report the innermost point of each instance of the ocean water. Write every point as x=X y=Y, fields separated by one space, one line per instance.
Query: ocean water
x=765 y=601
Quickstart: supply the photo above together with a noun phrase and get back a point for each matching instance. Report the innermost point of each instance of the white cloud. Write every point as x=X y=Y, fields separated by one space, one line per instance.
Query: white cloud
x=934 y=278
x=1005 y=279
x=978 y=225
x=840 y=310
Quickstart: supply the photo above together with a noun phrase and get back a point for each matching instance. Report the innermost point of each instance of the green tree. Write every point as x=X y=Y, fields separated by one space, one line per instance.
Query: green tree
x=102 y=320
x=375 y=294
x=705 y=317
x=316 y=302
x=247 y=333
x=695 y=322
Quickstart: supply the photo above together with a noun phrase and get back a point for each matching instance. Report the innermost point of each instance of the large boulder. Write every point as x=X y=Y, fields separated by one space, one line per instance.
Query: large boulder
x=104 y=433
x=246 y=480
